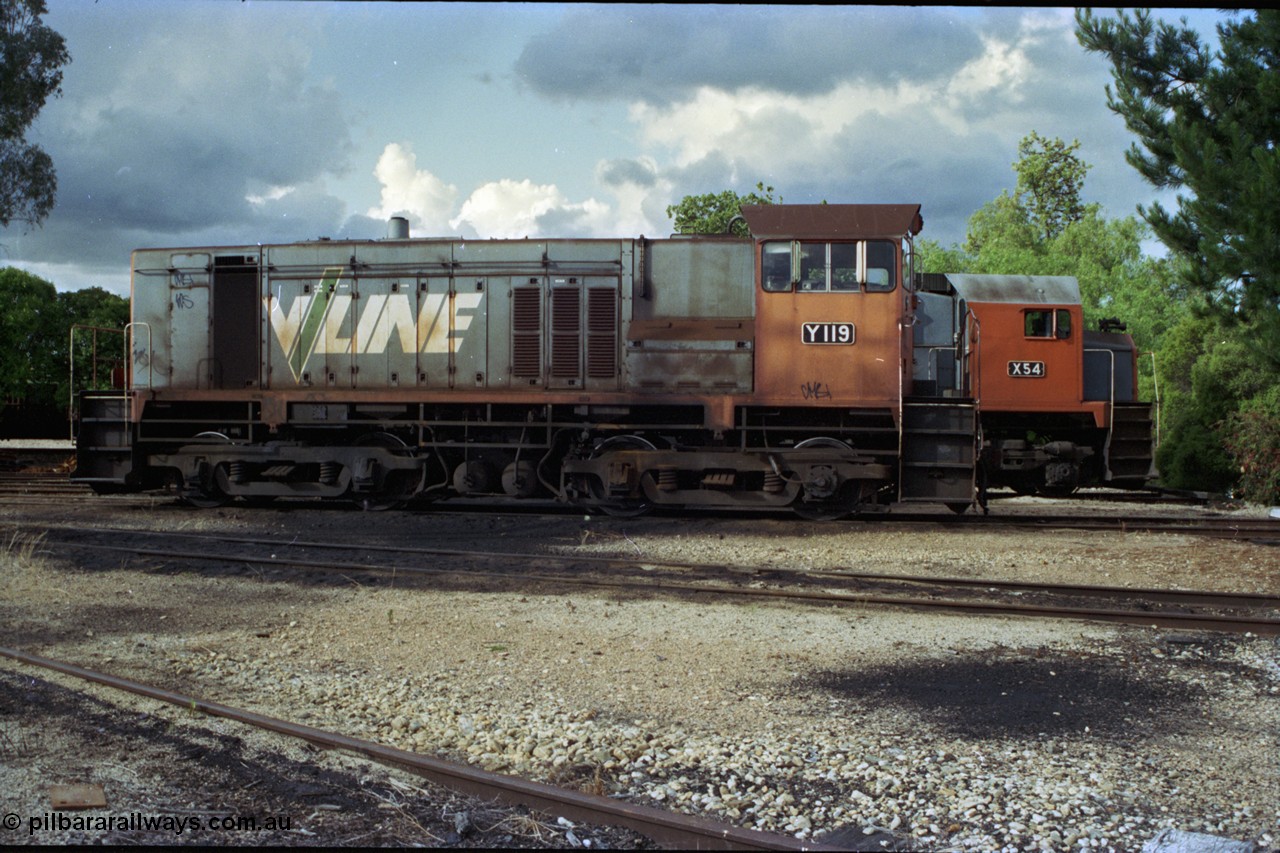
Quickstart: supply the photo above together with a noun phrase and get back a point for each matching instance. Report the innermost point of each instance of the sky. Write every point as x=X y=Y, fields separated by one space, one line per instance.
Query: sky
x=210 y=122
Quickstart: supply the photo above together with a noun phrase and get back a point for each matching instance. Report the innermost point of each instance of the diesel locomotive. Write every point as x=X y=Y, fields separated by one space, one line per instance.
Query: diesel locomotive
x=807 y=366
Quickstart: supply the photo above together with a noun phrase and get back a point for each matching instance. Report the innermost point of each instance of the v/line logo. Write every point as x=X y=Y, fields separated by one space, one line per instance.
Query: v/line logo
x=322 y=322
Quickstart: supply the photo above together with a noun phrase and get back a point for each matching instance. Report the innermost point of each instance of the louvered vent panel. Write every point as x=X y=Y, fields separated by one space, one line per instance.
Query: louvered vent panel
x=566 y=332
x=602 y=332
x=526 y=332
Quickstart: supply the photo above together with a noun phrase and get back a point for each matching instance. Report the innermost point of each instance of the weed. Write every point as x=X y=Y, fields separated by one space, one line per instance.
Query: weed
x=21 y=550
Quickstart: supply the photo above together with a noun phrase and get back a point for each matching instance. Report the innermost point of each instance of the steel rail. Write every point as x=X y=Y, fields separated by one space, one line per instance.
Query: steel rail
x=1214 y=528
x=1194 y=621
x=678 y=830
x=1201 y=597
x=1223 y=528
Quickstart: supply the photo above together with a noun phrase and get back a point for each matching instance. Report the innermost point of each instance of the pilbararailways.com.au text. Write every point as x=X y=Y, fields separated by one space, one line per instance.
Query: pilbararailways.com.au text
x=139 y=822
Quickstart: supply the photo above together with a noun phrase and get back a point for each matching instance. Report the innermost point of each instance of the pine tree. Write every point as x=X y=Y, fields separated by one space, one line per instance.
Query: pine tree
x=1207 y=125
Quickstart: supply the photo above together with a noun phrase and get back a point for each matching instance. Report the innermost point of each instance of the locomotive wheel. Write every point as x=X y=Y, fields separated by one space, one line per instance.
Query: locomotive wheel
x=621 y=507
x=392 y=493
x=208 y=496
x=843 y=502
x=837 y=506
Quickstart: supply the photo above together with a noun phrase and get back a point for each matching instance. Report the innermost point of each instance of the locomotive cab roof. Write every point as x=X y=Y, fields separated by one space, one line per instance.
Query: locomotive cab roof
x=1022 y=289
x=833 y=221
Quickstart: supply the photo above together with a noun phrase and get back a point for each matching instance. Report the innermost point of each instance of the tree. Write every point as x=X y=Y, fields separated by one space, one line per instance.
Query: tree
x=97 y=354
x=1046 y=228
x=29 y=331
x=712 y=213
x=1050 y=179
x=31 y=60
x=35 y=332
x=1207 y=123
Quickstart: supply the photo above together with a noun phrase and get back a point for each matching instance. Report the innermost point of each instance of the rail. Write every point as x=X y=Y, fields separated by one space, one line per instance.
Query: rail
x=677 y=830
x=925 y=599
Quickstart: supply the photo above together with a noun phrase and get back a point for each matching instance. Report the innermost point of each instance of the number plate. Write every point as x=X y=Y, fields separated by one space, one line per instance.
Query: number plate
x=826 y=333
x=1027 y=369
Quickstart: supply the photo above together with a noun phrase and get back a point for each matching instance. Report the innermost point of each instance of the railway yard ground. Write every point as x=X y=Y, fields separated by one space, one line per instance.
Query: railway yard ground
x=855 y=725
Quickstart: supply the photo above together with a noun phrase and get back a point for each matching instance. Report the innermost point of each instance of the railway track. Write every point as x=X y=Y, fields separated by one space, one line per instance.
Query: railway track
x=1168 y=608
x=672 y=829
x=19 y=485
x=43 y=487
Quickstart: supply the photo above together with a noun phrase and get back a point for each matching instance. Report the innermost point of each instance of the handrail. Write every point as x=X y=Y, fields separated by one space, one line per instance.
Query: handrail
x=71 y=357
x=973 y=354
x=1111 y=410
x=1155 y=382
x=129 y=357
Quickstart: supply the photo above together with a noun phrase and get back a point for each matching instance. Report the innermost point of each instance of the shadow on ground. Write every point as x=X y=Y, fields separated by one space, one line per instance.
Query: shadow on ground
x=1023 y=696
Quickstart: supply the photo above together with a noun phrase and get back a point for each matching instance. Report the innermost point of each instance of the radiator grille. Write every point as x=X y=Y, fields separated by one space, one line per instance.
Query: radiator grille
x=602 y=332
x=526 y=332
x=566 y=332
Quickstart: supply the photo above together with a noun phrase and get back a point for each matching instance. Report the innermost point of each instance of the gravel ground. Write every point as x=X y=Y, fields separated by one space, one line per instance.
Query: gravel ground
x=834 y=723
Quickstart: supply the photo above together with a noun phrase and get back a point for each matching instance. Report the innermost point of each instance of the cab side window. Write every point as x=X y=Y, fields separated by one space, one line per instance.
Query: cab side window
x=844 y=266
x=1062 y=324
x=882 y=265
x=813 y=267
x=822 y=267
x=775 y=266
x=1038 y=324
x=1047 y=323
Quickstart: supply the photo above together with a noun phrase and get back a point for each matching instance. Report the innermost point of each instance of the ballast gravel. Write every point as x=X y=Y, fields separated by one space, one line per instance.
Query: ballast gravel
x=861 y=727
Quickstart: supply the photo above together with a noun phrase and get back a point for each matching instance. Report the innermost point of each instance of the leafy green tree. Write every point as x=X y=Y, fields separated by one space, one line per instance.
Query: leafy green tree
x=1206 y=123
x=1050 y=179
x=1253 y=438
x=1211 y=376
x=30 y=324
x=35 y=334
x=712 y=213
x=97 y=350
x=31 y=60
x=1045 y=228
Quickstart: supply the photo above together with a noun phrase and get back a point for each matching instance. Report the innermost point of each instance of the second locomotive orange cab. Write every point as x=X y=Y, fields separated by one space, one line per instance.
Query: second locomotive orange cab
x=1059 y=405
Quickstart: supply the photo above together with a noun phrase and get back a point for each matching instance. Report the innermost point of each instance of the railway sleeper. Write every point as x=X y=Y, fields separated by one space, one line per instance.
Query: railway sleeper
x=208 y=473
x=764 y=478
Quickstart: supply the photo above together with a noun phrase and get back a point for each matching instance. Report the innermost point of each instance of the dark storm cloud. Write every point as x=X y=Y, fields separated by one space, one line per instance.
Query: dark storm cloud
x=614 y=173
x=659 y=53
x=171 y=117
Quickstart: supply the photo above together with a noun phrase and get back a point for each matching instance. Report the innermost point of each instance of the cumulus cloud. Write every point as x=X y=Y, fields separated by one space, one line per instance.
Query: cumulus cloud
x=888 y=137
x=516 y=208
x=509 y=208
x=427 y=199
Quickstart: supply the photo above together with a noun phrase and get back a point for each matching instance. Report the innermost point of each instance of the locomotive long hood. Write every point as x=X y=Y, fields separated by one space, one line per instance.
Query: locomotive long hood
x=828 y=221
